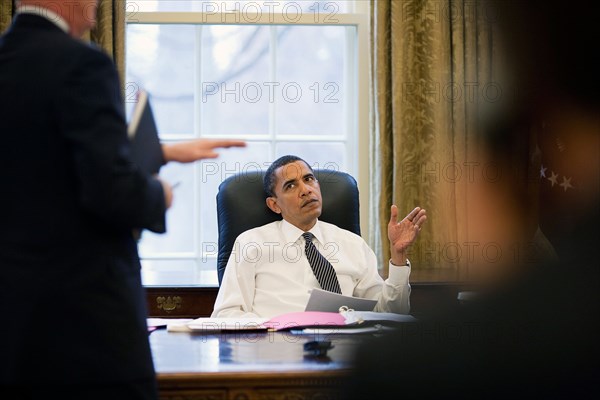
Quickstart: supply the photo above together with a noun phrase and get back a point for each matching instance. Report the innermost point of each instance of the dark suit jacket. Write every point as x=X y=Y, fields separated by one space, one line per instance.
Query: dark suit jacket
x=72 y=302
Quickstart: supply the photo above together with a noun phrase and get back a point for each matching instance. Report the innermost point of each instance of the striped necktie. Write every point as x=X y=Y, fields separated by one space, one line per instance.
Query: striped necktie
x=322 y=268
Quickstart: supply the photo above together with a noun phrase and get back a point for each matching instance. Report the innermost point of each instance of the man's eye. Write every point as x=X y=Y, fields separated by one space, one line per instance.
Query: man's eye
x=309 y=178
x=289 y=186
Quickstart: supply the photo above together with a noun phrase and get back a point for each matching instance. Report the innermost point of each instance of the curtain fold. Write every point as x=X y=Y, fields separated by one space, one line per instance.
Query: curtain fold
x=6 y=14
x=109 y=32
x=430 y=68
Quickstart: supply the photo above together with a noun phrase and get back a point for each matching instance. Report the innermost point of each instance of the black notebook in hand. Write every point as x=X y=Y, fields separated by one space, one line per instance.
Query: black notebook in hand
x=146 y=149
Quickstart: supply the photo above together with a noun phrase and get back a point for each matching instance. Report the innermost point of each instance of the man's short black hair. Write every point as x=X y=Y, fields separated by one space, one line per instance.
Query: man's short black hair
x=269 y=179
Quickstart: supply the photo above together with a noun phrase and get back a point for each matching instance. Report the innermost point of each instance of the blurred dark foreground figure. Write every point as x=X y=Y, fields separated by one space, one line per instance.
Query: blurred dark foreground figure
x=533 y=329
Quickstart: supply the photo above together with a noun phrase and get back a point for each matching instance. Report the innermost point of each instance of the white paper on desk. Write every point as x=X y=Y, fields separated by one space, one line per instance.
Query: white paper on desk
x=230 y=324
x=322 y=300
x=160 y=322
x=172 y=324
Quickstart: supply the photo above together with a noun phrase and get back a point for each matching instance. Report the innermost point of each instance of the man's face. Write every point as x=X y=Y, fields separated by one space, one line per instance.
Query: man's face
x=297 y=195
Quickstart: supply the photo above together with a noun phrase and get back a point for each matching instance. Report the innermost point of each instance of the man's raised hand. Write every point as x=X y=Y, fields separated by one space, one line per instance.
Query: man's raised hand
x=402 y=234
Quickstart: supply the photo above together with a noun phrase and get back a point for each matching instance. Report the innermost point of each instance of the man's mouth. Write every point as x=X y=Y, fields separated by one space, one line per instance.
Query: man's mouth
x=309 y=202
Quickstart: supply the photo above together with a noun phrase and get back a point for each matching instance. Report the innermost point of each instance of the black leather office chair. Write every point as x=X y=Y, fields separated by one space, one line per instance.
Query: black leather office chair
x=241 y=206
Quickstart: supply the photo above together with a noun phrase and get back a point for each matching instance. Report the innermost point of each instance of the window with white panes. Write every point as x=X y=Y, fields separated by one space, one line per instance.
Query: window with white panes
x=286 y=76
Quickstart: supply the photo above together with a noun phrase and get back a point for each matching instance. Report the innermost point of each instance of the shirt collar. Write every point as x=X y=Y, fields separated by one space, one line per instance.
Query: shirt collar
x=47 y=14
x=292 y=233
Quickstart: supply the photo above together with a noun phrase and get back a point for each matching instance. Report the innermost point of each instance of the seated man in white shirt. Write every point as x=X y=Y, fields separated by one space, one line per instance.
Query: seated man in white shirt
x=268 y=272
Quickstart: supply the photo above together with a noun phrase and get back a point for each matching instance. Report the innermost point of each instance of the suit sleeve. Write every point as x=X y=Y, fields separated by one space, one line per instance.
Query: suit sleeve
x=93 y=123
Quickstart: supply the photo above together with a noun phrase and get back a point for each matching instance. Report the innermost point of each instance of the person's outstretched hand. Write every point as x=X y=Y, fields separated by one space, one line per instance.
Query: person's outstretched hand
x=195 y=150
x=403 y=234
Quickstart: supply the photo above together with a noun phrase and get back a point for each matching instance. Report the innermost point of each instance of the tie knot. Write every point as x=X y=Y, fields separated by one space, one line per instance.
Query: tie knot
x=308 y=236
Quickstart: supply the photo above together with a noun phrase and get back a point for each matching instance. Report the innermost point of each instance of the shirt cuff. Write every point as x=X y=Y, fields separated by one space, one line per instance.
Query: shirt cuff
x=399 y=274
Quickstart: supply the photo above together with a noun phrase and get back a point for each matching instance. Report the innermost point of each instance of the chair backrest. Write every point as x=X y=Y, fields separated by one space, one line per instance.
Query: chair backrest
x=241 y=206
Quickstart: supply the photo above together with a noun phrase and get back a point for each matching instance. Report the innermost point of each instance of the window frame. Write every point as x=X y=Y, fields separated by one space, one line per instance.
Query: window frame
x=357 y=82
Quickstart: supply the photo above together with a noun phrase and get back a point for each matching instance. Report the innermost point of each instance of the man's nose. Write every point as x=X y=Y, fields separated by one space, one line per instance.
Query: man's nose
x=304 y=189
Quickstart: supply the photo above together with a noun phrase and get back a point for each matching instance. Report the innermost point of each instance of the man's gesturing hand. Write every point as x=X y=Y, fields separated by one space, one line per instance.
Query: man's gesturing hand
x=195 y=150
x=402 y=234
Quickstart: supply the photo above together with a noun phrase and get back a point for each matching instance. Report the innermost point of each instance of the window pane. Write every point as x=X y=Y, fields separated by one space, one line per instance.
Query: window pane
x=180 y=217
x=244 y=7
x=252 y=158
x=151 y=50
x=310 y=69
x=235 y=76
x=328 y=155
x=234 y=80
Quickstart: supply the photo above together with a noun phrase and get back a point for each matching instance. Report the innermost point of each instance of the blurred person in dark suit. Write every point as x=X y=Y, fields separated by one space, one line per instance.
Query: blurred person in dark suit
x=74 y=307
x=532 y=329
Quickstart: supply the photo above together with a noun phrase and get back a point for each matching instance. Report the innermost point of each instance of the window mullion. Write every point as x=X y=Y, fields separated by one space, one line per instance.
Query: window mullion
x=197 y=202
x=273 y=77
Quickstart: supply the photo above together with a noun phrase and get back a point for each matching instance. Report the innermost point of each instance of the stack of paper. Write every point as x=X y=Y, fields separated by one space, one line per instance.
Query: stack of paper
x=296 y=321
x=286 y=321
x=324 y=311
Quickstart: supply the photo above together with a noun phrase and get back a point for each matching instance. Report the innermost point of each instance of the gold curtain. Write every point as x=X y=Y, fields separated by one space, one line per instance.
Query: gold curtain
x=109 y=32
x=6 y=14
x=430 y=67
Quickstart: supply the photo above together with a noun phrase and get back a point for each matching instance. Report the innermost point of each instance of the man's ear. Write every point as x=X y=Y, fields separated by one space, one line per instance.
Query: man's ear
x=272 y=204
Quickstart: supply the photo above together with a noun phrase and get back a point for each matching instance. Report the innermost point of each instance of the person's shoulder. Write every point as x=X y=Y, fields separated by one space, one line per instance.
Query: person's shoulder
x=62 y=42
x=66 y=53
x=334 y=228
x=260 y=232
x=89 y=53
x=87 y=63
x=340 y=233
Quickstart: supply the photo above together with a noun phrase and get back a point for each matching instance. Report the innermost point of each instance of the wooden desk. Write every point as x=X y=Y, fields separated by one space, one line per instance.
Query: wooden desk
x=238 y=366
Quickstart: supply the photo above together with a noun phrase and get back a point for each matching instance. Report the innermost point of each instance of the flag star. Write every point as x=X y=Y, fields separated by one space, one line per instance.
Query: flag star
x=553 y=179
x=566 y=184
x=543 y=172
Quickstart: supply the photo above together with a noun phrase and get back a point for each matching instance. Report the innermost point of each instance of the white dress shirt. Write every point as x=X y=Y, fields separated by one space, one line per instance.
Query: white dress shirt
x=45 y=13
x=268 y=273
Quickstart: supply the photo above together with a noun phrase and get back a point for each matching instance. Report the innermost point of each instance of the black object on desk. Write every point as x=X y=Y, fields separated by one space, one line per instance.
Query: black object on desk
x=318 y=348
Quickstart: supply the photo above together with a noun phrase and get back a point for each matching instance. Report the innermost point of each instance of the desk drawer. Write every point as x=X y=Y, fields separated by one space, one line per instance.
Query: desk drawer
x=180 y=302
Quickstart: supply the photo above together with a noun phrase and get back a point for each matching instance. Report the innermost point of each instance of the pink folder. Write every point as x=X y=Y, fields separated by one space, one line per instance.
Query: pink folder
x=303 y=319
